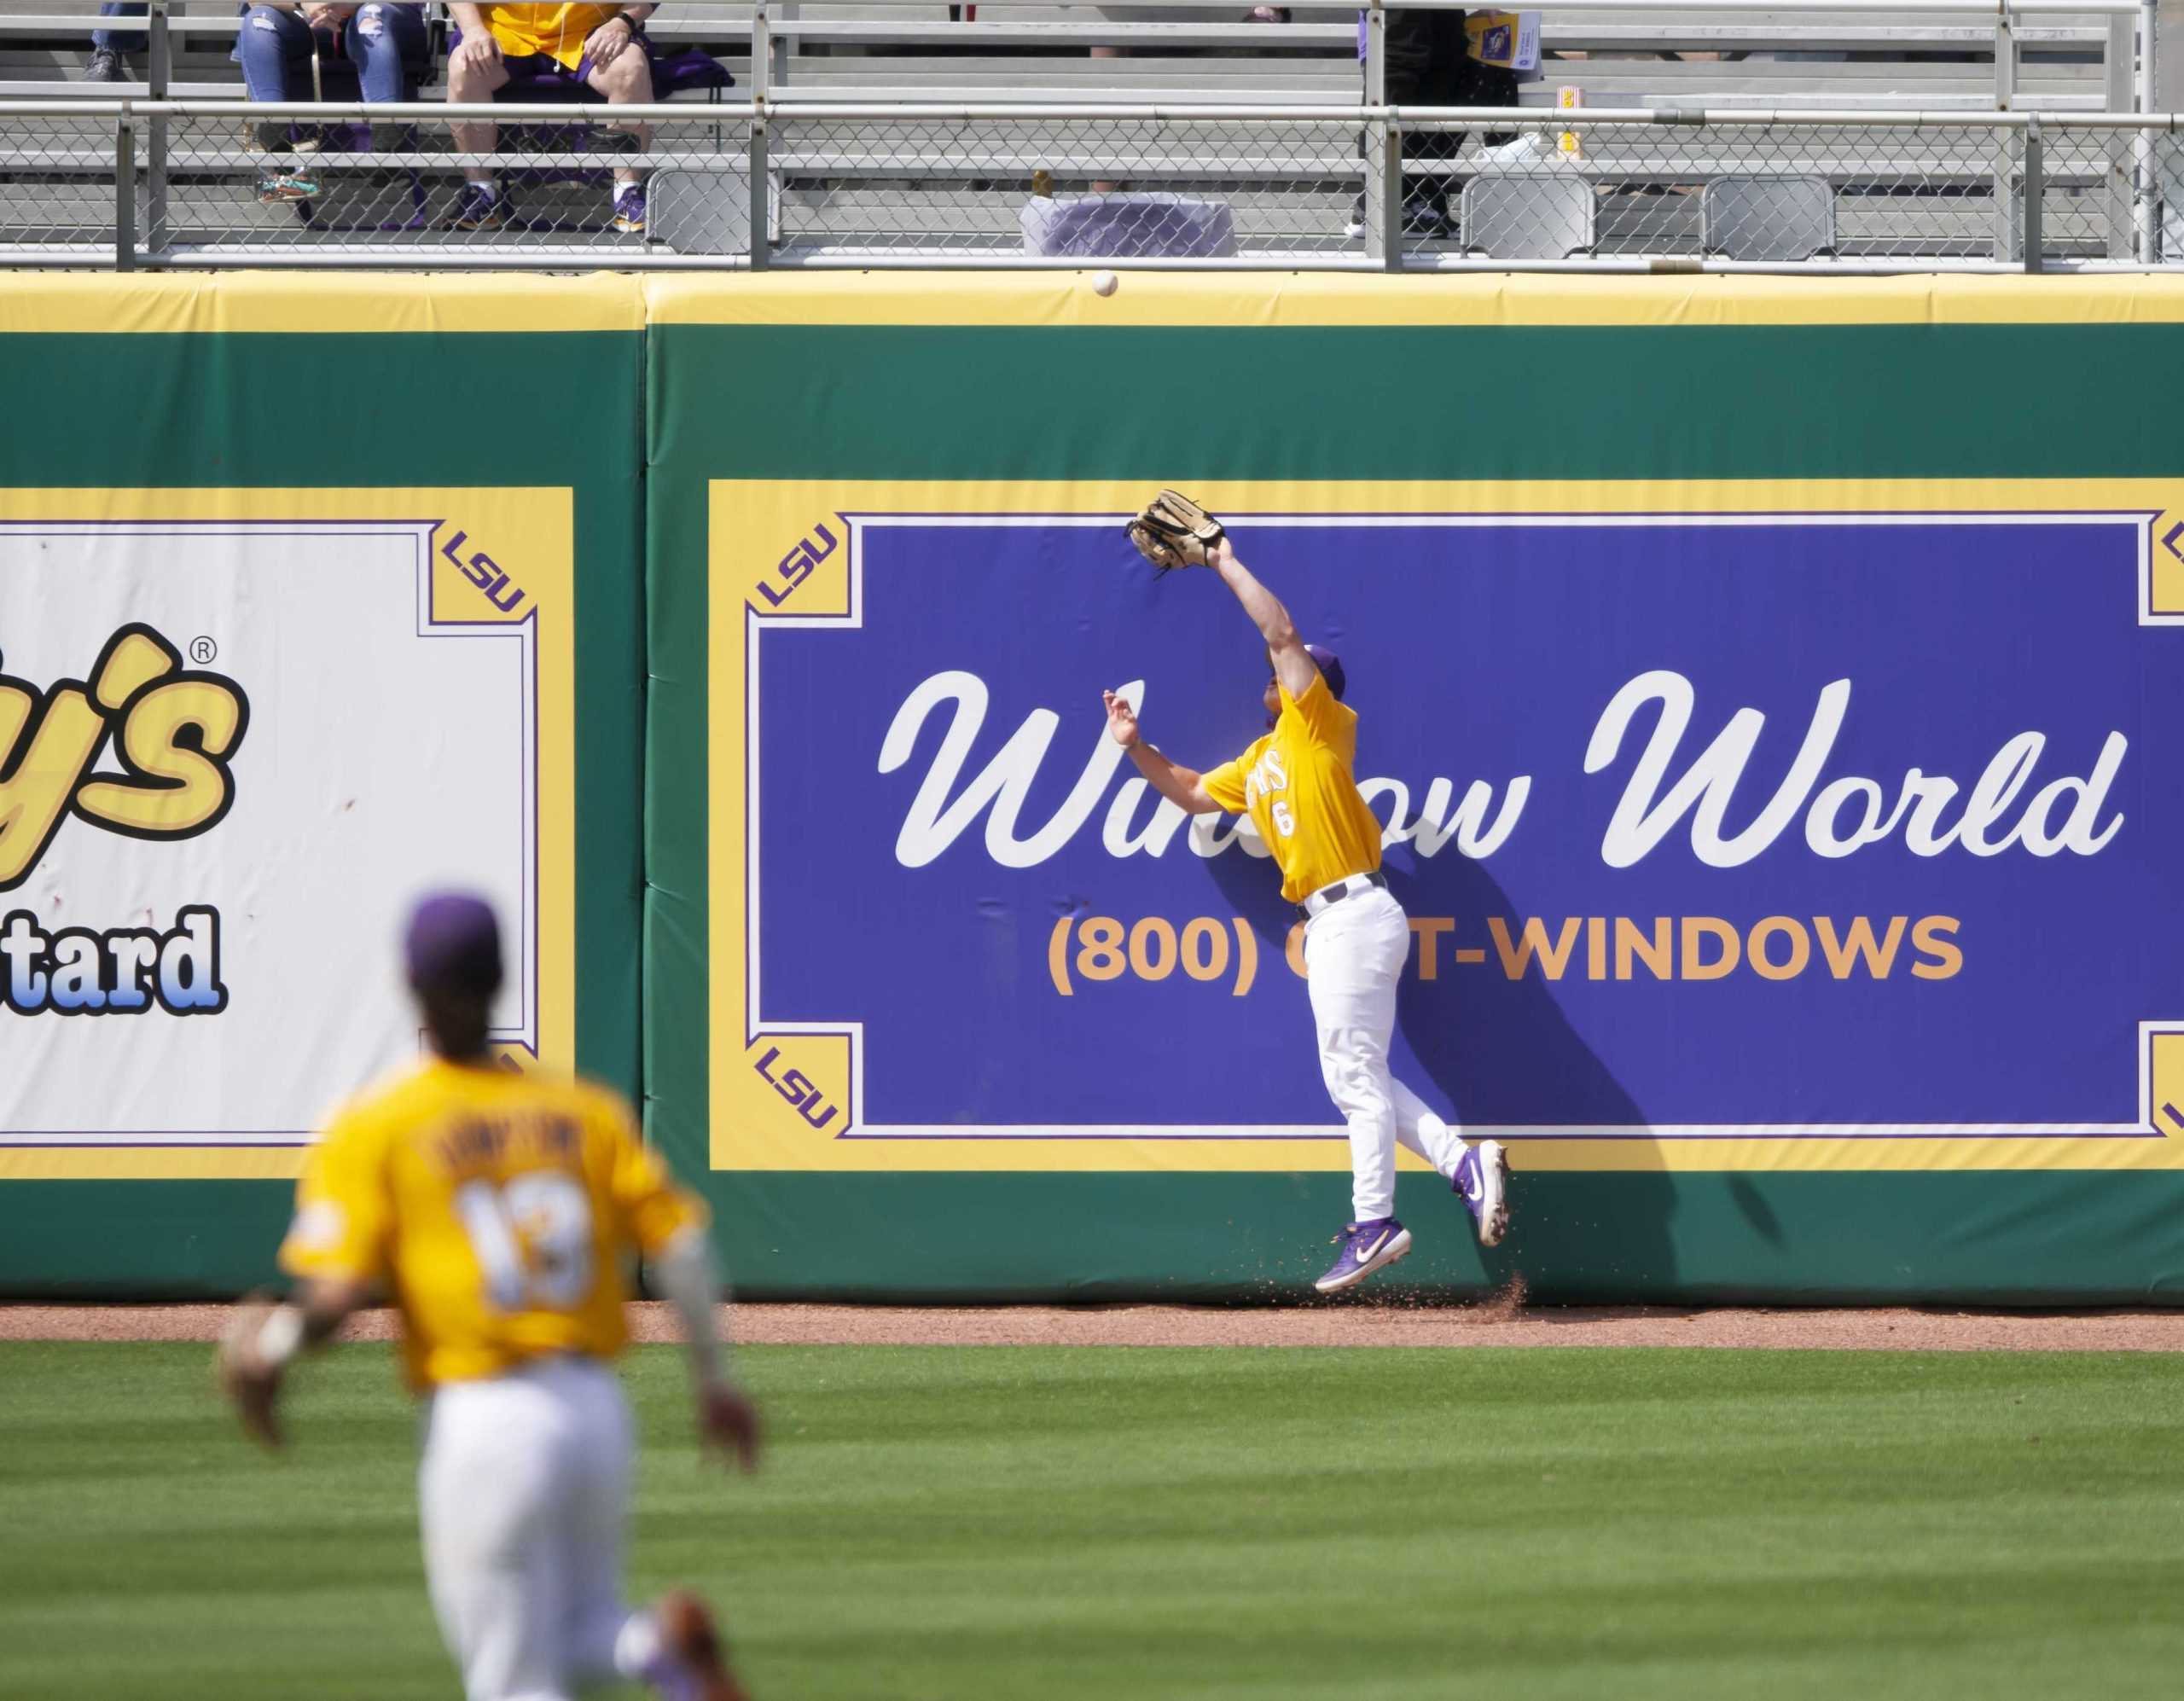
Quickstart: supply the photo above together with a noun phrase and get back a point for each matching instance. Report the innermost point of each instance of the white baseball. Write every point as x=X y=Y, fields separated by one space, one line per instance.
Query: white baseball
x=1103 y=283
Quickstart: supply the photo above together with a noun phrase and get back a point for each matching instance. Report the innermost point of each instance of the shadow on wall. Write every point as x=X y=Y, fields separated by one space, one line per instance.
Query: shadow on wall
x=1482 y=1043
x=1486 y=1039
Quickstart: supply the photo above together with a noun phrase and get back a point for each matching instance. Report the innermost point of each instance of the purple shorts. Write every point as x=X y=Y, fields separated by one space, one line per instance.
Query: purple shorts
x=542 y=71
x=672 y=74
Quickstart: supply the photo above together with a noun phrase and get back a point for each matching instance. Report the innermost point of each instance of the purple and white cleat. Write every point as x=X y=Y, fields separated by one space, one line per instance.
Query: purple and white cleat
x=1482 y=1178
x=1366 y=1247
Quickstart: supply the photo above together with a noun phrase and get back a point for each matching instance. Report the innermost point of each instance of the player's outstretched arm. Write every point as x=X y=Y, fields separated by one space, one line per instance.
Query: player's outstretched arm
x=1294 y=667
x=684 y=1271
x=1182 y=786
x=263 y=1339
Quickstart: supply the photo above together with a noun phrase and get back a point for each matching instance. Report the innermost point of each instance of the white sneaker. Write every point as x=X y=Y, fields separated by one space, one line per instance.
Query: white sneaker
x=1366 y=1247
x=1481 y=1178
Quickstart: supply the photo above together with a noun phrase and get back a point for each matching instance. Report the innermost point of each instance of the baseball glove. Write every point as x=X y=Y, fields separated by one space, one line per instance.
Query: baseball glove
x=1175 y=532
x=253 y=1384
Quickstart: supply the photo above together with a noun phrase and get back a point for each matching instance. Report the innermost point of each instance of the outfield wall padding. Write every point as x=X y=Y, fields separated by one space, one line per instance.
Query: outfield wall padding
x=1769 y=687
x=1830 y=625
x=401 y=522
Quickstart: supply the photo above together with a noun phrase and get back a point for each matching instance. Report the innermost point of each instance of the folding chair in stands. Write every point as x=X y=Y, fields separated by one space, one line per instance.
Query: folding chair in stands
x=1768 y=218
x=1529 y=217
x=706 y=209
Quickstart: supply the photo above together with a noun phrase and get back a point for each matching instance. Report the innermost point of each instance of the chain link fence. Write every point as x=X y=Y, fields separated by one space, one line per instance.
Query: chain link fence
x=215 y=182
x=516 y=186
x=57 y=174
x=1120 y=189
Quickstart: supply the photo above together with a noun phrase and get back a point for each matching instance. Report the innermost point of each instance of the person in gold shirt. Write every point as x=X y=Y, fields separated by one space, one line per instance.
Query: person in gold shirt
x=601 y=45
x=1296 y=786
x=499 y=1212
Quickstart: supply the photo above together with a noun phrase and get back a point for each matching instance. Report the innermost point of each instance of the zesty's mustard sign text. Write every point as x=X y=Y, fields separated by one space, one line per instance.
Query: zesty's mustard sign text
x=170 y=733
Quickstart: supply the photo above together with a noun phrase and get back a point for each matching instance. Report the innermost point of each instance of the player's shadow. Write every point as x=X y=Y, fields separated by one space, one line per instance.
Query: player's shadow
x=1482 y=1044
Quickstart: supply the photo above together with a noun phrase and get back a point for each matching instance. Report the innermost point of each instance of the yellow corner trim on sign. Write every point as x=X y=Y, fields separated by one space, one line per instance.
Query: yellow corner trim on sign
x=801 y=1087
x=2165 y=1081
x=2165 y=565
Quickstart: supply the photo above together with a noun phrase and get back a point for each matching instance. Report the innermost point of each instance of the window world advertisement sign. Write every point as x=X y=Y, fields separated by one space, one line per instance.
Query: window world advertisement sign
x=1740 y=825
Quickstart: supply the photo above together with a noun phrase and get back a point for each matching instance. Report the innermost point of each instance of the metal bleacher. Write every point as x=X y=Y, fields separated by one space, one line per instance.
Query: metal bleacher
x=1081 y=100
x=1782 y=57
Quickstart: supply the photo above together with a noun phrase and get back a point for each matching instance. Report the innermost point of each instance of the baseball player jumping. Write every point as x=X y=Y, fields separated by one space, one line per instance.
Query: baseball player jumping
x=1295 y=785
x=499 y=1211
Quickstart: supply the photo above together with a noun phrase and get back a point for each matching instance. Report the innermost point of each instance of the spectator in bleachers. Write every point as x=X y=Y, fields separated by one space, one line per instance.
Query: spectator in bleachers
x=601 y=47
x=1429 y=64
x=383 y=45
x=107 y=46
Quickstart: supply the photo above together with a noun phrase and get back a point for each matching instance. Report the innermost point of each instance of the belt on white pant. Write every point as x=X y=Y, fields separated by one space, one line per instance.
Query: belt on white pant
x=1327 y=897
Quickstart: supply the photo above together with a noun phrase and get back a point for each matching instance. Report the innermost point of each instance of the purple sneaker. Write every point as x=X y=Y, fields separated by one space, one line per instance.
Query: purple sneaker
x=629 y=210
x=480 y=206
x=1482 y=1178
x=1365 y=1246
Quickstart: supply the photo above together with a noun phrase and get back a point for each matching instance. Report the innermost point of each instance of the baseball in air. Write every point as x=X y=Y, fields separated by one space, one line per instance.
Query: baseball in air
x=1103 y=283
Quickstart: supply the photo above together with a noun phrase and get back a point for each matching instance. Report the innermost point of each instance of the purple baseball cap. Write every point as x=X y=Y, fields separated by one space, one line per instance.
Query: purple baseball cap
x=1330 y=666
x=453 y=943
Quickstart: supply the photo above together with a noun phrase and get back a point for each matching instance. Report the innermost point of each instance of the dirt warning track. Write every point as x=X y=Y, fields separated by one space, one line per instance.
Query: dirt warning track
x=1503 y=1323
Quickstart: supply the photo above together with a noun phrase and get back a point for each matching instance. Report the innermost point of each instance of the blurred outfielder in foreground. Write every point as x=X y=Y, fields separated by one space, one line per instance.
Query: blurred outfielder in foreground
x=499 y=1211
x=1296 y=786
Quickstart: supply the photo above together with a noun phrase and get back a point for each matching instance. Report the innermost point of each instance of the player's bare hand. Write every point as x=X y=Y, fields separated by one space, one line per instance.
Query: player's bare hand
x=1122 y=719
x=728 y=1420
x=252 y=1384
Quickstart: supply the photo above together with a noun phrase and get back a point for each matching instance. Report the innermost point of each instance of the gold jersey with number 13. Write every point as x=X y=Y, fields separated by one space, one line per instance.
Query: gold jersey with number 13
x=498 y=1209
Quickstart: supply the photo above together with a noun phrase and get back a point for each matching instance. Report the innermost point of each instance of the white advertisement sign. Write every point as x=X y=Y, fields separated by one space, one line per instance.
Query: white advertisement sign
x=234 y=749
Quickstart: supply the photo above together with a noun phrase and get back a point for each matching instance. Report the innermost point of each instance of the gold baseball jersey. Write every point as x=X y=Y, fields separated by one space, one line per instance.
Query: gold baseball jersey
x=558 y=31
x=498 y=1209
x=1295 y=786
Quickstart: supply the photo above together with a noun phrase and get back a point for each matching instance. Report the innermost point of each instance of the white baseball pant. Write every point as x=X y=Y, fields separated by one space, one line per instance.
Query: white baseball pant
x=522 y=1492
x=1354 y=953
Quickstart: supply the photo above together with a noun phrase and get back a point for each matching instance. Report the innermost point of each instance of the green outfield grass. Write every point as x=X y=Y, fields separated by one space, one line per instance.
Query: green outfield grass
x=1067 y=1524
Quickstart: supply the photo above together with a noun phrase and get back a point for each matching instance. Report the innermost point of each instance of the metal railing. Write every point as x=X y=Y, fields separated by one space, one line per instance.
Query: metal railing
x=793 y=175
x=829 y=184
